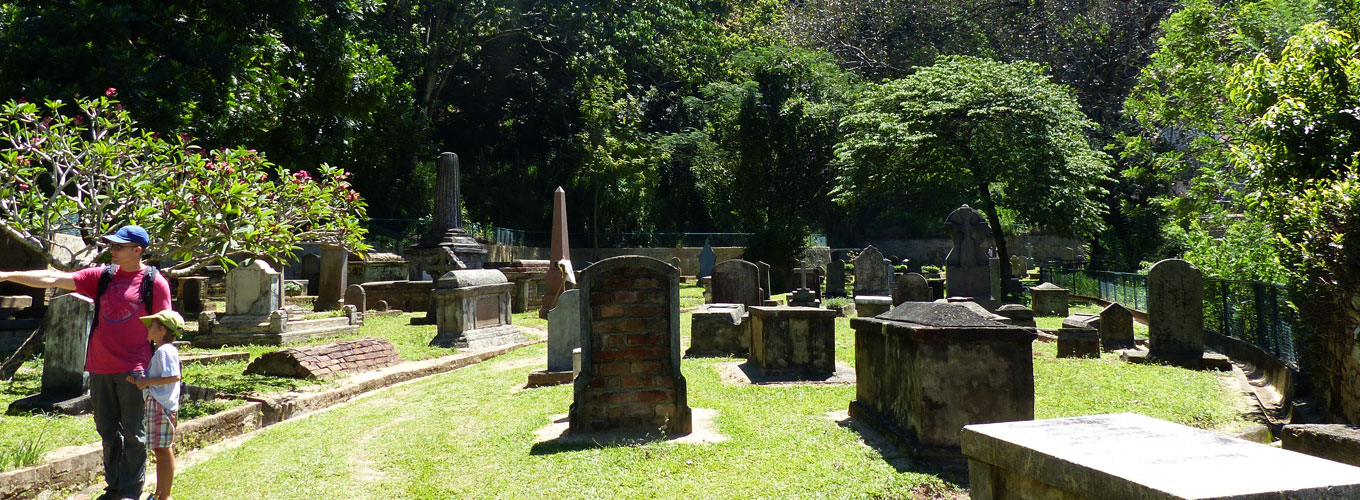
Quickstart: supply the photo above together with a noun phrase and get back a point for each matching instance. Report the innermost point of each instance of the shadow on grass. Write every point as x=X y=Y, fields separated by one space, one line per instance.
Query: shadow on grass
x=952 y=471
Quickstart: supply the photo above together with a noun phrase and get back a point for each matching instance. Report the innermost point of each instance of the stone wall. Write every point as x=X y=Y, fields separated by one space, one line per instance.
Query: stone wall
x=409 y=296
x=932 y=251
x=689 y=256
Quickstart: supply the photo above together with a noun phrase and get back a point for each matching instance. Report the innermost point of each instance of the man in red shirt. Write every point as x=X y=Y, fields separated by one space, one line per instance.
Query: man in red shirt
x=118 y=348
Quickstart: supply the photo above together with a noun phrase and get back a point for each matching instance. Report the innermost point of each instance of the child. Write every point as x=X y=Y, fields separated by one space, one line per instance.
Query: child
x=160 y=388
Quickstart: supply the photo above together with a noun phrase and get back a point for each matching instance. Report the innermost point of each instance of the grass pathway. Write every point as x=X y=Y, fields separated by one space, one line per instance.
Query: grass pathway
x=469 y=434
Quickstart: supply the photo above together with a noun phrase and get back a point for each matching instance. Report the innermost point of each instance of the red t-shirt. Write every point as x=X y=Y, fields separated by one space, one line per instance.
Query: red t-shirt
x=118 y=343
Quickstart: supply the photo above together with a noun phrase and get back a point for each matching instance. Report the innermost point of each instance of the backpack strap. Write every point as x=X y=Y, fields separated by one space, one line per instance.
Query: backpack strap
x=149 y=287
x=105 y=278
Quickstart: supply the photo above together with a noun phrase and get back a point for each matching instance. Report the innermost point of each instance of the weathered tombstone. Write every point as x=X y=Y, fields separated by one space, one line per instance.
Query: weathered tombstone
x=1049 y=300
x=675 y=261
x=559 y=262
x=994 y=277
x=252 y=290
x=835 y=278
x=355 y=296
x=736 y=282
x=1018 y=265
x=793 y=341
x=311 y=271
x=911 y=288
x=807 y=291
x=868 y=306
x=967 y=272
x=630 y=349
x=926 y=369
x=65 y=339
x=873 y=276
x=446 y=246
x=473 y=310
x=894 y=260
x=1116 y=327
x=382 y=306
x=334 y=273
x=1017 y=314
x=191 y=294
x=1128 y=455
x=1175 y=311
x=564 y=335
x=1078 y=342
x=707 y=259
x=719 y=330
x=764 y=279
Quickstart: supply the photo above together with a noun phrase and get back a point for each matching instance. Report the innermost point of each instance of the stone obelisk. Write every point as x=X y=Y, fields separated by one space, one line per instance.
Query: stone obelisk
x=559 y=262
x=445 y=246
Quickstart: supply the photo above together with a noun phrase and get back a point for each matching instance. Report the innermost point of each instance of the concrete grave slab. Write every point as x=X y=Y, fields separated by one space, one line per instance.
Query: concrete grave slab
x=1137 y=457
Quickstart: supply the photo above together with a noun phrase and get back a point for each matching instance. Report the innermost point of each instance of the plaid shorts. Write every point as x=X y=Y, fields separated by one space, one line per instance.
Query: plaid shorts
x=159 y=423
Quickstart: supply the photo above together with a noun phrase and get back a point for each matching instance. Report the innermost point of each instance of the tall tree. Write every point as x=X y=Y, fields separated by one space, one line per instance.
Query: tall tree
x=1002 y=136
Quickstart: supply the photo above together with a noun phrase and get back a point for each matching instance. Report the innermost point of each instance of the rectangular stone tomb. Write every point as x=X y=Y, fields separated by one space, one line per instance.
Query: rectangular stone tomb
x=868 y=306
x=348 y=356
x=719 y=330
x=1078 y=343
x=273 y=329
x=473 y=310
x=1133 y=456
x=926 y=369
x=794 y=341
x=630 y=378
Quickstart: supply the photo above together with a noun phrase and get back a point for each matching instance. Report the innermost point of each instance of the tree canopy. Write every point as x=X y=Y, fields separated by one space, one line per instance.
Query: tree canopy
x=1000 y=135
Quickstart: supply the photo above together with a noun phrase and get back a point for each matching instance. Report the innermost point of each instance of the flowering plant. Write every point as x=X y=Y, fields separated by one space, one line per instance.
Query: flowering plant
x=69 y=174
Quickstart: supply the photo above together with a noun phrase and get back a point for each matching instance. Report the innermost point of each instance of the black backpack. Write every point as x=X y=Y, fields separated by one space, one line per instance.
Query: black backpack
x=106 y=277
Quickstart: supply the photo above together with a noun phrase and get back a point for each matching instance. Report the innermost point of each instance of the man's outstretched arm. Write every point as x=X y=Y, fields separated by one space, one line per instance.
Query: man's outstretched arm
x=41 y=278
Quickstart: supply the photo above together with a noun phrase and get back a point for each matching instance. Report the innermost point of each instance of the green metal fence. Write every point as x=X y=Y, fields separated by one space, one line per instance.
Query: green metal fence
x=1253 y=311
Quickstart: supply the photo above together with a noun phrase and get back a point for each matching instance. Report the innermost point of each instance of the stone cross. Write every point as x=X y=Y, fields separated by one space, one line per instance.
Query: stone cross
x=967 y=270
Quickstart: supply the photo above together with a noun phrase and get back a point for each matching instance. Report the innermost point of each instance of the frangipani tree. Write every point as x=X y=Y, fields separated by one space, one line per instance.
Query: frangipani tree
x=70 y=173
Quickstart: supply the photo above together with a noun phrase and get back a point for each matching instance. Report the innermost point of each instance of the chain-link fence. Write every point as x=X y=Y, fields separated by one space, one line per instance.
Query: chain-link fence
x=1253 y=311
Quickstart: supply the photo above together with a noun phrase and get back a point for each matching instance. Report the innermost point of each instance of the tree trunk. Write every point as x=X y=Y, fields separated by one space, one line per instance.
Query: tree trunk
x=989 y=206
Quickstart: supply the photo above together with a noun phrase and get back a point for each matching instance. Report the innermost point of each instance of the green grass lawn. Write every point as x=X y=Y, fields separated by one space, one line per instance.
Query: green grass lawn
x=469 y=433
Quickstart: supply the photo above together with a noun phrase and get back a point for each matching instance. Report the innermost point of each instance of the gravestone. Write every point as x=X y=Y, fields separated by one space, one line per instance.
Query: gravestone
x=835 y=278
x=559 y=262
x=1132 y=456
x=764 y=279
x=1018 y=265
x=868 y=306
x=807 y=291
x=719 y=330
x=1077 y=342
x=252 y=290
x=473 y=310
x=794 y=341
x=1116 y=327
x=630 y=350
x=355 y=296
x=873 y=275
x=311 y=271
x=707 y=259
x=445 y=246
x=911 y=288
x=1049 y=300
x=926 y=369
x=564 y=335
x=994 y=277
x=66 y=336
x=675 y=261
x=967 y=272
x=191 y=294
x=1175 y=299
x=1018 y=315
x=736 y=282
x=334 y=274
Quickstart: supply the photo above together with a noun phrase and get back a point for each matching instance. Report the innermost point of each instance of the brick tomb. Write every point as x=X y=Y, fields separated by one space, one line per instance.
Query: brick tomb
x=630 y=349
x=326 y=360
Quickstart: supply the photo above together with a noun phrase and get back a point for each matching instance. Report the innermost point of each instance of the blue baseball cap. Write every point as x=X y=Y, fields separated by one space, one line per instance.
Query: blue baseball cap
x=129 y=234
